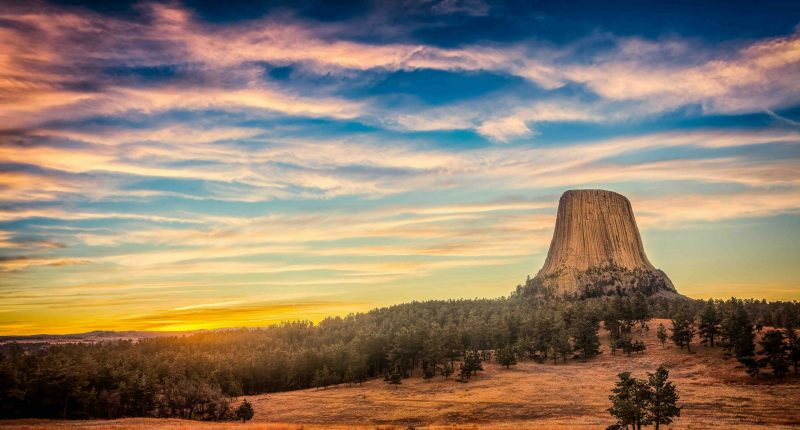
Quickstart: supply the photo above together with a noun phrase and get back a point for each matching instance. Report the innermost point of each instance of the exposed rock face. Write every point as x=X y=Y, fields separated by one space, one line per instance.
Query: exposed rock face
x=597 y=250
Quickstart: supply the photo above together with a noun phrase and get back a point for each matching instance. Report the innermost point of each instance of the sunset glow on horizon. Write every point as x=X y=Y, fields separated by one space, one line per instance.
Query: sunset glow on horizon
x=179 y=165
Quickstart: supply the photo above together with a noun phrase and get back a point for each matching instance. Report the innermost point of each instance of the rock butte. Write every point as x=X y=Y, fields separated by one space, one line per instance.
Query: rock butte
x=597 y=250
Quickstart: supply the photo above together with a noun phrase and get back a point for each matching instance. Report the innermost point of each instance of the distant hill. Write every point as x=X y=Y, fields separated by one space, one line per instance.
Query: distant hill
x=91 y=336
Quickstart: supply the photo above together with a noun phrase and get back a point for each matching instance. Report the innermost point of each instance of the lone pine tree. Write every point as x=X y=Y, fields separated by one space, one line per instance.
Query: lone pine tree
x=629 y=402
x=682 y=329
x=446 y=370
x=245 y=411
x=506 y=356
x=663 y=398
x=394 y=377
x=662 y=334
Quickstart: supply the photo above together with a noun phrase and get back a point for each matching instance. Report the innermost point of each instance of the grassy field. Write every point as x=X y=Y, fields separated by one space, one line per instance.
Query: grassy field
x=714 y=393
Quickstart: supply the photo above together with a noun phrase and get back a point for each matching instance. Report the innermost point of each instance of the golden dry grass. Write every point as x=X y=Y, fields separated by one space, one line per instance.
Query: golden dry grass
x=714 y=393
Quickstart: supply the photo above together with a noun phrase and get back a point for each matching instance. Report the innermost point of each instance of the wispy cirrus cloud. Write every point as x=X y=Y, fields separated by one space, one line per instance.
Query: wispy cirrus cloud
x=284 y=157
x=279 y=167
x=649 y=76
x=750 y=78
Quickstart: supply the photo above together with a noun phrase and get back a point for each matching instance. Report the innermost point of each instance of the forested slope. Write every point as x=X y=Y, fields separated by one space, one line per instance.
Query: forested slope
x=196 y=376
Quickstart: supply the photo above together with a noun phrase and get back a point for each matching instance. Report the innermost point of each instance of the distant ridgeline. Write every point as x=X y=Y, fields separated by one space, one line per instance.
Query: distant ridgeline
x=597 y=250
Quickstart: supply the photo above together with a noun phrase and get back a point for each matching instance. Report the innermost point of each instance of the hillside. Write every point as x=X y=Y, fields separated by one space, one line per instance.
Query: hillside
x=714 y=393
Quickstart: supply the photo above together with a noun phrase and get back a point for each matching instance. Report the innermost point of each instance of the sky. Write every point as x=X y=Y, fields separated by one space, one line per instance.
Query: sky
x=197 y=164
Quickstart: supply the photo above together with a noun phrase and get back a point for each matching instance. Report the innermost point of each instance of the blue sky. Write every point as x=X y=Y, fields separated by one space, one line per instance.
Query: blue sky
x=177 y=165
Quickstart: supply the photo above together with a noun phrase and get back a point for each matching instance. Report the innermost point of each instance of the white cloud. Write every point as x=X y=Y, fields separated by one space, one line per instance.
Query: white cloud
x=503 y=129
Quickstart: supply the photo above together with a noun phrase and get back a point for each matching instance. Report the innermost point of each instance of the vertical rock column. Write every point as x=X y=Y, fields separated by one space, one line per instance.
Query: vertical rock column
x=595 y=231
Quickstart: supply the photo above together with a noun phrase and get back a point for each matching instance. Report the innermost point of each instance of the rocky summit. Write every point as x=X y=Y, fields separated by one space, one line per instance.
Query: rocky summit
x=597 y=250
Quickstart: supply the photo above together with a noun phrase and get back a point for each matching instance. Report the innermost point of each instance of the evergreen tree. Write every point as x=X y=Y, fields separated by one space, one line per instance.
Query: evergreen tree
x=728 y=327
x=245 y=411
x=640 y=308
x=433 y=353
x=630 y=399
x=394 y=377
x=627 y=315
x=322 y=378
x=470 y=365
x=619 y=316
x=463 y=372
x=543 y=335
x=682 y=329
x=349 y=375
x=525 y=347
x=401 y=354
x=739 y=329
x=626 y=345
x=506 y=356
x=559 y=342
x=663 y=398
x=773 y=350
x=708 y=326
x=793 y=345
x=638 y=346
x=356 y=372
x=447 y=369
x=611 y=323
x=584 y=335
x=428 y=371
x=662 y=334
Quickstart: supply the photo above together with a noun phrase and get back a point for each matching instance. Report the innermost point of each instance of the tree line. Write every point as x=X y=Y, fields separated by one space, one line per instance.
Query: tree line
x=196 y=376
x=733 y=326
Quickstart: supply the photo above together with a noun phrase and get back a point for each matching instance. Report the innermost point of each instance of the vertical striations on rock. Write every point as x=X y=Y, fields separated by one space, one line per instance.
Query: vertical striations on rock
x=597 y=250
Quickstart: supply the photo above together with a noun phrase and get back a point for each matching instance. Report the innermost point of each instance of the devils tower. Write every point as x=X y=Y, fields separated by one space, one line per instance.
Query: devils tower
x=597 y=250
